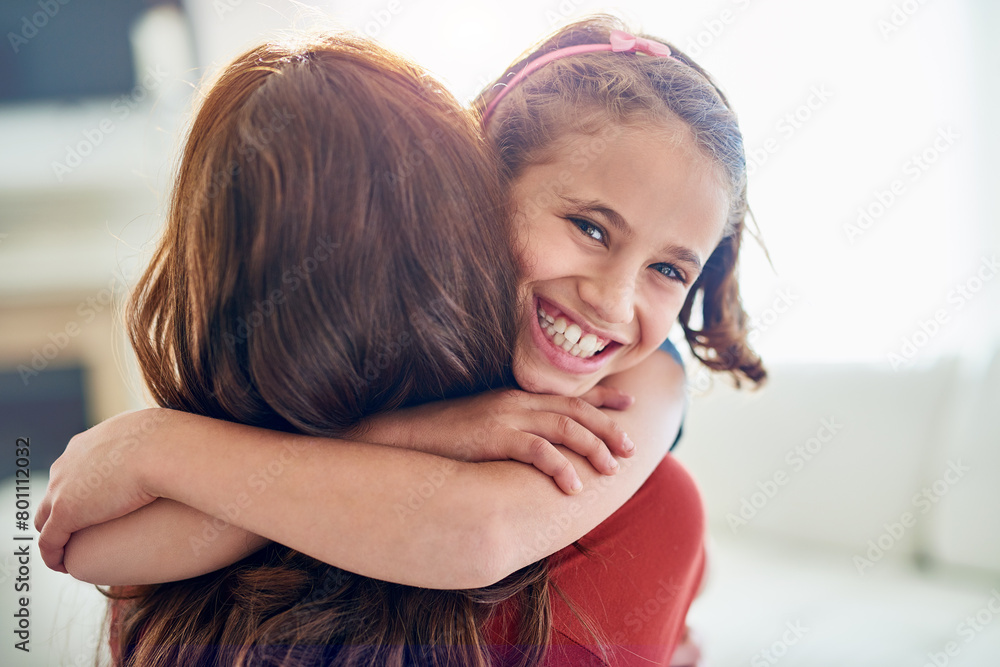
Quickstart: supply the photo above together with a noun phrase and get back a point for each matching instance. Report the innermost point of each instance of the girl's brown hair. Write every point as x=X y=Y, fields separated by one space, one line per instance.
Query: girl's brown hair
x=581 y=94
x=337 y=244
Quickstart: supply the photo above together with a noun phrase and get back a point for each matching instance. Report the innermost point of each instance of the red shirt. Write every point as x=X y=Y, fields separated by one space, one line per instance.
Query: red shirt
x=638 y=585
x=636 y=588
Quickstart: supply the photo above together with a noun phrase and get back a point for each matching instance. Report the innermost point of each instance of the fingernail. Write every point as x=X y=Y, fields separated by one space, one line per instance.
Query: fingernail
x=613 y=464
x=576 y=486
x=629 y=445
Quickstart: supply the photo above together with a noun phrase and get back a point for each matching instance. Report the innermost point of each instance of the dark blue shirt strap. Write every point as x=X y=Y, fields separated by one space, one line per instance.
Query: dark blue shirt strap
x=671 y=349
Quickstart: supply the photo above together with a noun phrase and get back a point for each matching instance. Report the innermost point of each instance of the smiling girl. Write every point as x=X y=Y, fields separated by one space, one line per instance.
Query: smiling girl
x=614 y=249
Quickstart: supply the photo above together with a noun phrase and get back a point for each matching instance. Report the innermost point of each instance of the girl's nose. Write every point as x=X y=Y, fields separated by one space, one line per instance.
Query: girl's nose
x=611 y=299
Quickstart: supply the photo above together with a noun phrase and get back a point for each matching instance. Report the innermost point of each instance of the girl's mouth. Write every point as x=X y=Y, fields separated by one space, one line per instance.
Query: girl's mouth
x=566 y=343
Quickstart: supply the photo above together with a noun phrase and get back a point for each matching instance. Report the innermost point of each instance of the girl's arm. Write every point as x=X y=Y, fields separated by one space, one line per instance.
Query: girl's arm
x=394 y=514
x=168 y=541
x=163 y=541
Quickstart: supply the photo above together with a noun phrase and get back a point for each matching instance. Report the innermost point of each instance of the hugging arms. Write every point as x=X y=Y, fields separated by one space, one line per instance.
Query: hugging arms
x=351 y=503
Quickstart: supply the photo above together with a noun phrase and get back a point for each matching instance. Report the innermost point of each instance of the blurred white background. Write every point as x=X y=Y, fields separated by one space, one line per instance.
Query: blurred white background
x=872 y=145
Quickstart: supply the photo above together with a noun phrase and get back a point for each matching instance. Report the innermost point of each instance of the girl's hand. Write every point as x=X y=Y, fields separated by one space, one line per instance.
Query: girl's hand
x=512 y=424
x=687 y=653
x=602 y=396
x=95 y=480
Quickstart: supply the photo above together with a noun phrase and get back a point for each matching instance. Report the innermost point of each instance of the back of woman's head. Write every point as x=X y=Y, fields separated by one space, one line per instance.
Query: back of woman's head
x=337 y=244
x=582 y=94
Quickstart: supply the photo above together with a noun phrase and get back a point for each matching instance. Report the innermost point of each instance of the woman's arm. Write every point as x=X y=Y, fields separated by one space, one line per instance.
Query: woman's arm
x=398 y=515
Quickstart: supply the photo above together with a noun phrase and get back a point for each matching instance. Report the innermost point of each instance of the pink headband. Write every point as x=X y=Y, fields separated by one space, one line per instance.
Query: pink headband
x=620 y=42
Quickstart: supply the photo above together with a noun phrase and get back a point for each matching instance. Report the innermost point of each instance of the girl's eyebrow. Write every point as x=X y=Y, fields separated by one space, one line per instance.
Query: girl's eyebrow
x=680 y=254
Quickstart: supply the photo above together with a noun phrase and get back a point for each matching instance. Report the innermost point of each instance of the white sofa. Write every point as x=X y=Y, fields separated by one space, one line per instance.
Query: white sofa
x=874 y=541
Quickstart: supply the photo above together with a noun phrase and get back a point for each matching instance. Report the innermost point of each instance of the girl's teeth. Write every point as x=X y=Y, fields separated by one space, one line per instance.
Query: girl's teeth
x=568 y=336
x=588 y=343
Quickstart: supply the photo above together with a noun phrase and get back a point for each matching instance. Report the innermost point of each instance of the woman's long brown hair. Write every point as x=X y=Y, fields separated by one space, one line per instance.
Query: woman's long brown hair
x=337 y=244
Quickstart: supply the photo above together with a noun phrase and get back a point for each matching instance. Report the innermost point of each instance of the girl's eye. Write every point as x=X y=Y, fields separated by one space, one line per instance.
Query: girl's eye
x=670 y=271
x=589 y=228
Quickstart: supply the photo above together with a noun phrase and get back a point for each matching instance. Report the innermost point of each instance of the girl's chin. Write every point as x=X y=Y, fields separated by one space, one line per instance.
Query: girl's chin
x=530 y=379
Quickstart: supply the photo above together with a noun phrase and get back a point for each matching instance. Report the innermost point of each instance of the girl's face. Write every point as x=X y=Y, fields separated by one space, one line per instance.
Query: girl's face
x=612 y=233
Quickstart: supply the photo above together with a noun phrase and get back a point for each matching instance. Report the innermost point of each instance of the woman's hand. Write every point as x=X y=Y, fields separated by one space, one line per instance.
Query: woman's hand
x=512 y=424
x=96 y=479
